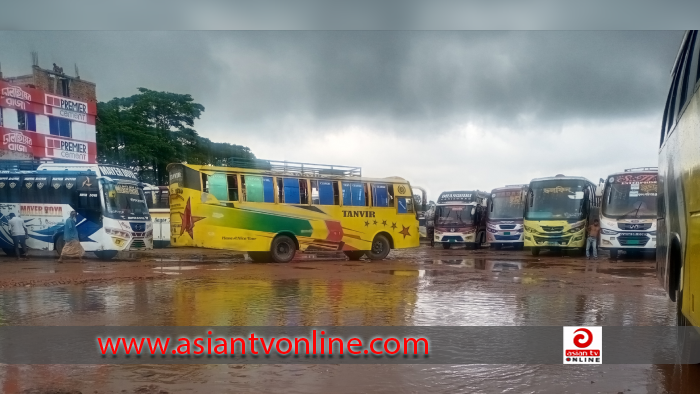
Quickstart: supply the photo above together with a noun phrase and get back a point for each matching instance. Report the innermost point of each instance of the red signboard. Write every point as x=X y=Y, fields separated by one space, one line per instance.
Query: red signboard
x=38 y=96
x=28 y=143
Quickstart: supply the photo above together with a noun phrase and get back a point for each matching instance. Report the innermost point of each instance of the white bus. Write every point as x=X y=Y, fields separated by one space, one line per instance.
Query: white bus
x=112 y=211
x=628 y=214
x=158 y=200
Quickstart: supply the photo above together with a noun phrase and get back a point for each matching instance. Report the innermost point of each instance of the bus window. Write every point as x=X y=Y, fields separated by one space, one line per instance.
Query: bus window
x=28 y=191
x=405 y=205
x=41 y=184
x=88 y=194
x=232 y=187
x=289 y=190
x=324 y=192
x=257 y=188
x=380 y=197
x=218 y=186
x=205 y=182
x=354 y=194
x=303 y=191
x=390 y=194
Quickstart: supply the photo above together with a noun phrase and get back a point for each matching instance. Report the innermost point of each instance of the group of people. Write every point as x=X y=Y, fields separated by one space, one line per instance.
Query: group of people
x=71 y=247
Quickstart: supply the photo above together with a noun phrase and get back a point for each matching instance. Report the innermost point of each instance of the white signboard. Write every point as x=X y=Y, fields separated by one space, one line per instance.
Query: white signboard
x=60 y=148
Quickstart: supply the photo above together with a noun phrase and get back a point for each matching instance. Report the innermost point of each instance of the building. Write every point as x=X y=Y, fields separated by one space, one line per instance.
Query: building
x=47 y=115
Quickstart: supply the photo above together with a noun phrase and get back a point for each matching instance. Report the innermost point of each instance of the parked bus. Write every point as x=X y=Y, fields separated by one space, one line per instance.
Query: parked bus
x=158 y=200
x=112 y=211
x=628 y=212
x=460 y=219
x=557 y=210
x=504 y=216
x=678 y=224
x=272 y=209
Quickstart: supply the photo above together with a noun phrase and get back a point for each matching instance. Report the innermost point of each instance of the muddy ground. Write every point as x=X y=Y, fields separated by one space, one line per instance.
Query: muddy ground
x=424 y=286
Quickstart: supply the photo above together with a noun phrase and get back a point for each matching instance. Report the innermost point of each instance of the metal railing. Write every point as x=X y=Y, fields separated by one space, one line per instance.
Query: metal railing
x=642 y=169
x=294 y=168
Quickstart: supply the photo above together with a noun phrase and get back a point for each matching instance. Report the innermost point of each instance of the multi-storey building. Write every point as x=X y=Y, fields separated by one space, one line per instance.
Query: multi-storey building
x=47 y=115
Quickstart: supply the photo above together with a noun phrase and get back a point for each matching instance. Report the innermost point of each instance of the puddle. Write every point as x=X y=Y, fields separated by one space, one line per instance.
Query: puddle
x=352 y=265
x=416 y=273
x=178 y=268
x=219 y=269
x=628 y=272
x=305 y=268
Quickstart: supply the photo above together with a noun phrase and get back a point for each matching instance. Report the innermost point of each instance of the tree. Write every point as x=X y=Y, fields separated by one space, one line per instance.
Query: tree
x=149 y=130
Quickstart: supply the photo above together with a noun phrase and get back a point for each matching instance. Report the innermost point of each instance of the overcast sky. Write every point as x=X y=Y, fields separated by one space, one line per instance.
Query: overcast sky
x=445 y=110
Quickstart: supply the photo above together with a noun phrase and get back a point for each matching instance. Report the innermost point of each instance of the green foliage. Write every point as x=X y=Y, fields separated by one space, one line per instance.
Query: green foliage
x=149 y=130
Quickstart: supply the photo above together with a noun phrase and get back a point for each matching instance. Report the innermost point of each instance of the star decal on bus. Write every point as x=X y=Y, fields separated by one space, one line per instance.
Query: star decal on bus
x=188 y=220
x=393 y=226
x=384 y=223
x=405 y=232
x=366 y=224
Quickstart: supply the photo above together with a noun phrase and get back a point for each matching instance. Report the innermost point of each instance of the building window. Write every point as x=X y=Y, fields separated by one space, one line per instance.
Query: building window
x=26 y=121
x=60 y=127
x=1 y=117
x=65 y=87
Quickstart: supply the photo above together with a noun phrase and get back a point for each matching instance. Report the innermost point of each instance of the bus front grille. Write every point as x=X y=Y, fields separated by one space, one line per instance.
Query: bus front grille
x=138 y=244
x=633 y=240
x=550 y=229
x=506 y=226
x=556 y=240
x=634 y=226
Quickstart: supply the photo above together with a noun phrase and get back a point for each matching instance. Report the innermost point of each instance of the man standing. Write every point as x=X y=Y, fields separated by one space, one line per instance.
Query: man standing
x=72 y=246
x=592 y=241
x=19 y=234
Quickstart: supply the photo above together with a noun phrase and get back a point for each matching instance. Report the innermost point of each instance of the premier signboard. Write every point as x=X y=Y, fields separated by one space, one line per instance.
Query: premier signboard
x=24 y=144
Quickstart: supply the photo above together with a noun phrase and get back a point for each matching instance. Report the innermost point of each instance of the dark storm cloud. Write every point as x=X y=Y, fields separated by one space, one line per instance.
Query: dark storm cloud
x=392 y=80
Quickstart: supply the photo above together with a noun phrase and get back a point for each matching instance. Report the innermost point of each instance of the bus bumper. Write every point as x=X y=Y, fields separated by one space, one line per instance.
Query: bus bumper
x=613 y=242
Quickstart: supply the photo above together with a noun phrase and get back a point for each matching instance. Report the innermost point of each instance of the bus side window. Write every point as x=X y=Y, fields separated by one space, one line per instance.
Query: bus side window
x=354 y=194
x=405 y=205
x=380 y=197
x=257 y=188
x=205 y=183
x=232 y=181
x=4 y=187
x=289 y=190
x=390 y=194
x=218 y=186
x=324 y=192
x=41 y=184
x=303 y=191
x=164 y=199
x=150 y=197
x=365 y=187
x=13 y=192
x=28 y=191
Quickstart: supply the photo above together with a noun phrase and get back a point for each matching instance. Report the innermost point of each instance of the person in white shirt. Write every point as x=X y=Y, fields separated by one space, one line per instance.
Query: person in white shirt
x=19 y=234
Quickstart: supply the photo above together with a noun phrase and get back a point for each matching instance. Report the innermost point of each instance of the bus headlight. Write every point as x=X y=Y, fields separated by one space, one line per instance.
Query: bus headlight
x=608 y=231
x=530 y=230
x=576 y=228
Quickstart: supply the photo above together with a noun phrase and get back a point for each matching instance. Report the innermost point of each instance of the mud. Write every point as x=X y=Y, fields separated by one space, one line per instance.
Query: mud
x=424 y=286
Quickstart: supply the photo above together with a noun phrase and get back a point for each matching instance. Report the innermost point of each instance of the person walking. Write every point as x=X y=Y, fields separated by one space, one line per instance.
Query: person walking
x=72 y=246
x=19 y=234
x=592 y=241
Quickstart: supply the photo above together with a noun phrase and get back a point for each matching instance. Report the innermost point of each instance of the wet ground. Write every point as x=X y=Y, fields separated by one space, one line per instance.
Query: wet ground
x=423 y=286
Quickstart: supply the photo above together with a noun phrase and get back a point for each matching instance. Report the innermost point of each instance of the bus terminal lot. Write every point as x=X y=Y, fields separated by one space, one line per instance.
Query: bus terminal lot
x=422 y=286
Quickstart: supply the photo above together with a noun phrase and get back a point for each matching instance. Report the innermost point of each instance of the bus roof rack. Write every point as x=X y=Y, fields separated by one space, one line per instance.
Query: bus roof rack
x=22 y=165
x=642 y=169
x=294 y=168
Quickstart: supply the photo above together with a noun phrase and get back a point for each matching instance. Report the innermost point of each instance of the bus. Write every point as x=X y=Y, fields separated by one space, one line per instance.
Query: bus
x=628 y=212
x=557 y=210
x=112 y=211
x=158 y=201
x=271 y=209
x=678 y=215
x=460 y=219
x=504 y=217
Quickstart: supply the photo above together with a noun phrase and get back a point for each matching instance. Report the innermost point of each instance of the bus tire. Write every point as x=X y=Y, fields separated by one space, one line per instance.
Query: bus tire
x=535 y=251
x=259 y=257
x=283 y=249
x=58 y=244
x=354 y=255
x=445 y=245
x=105 y=254
x=380 y=248
x=613 y=254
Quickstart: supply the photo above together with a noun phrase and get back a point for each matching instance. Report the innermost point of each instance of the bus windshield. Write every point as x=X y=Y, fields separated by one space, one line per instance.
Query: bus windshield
x=124 y=201
x=556 y=200
x=624 y=200
x=506 y=205
x=454 y=215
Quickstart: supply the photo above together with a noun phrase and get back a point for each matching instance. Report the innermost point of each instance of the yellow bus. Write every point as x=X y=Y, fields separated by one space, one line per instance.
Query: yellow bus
x=678 y=223
x=272 y=209
x=557 y=211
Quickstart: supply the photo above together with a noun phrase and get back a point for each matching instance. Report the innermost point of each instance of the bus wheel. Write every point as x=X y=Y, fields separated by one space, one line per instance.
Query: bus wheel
x=354 y=255
x=259 y=257
x=445 y=245
x=105 y=254
x=58 y=244
x=613 y=254
x=380 y=248
x=535 y=251
x=283 y=249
